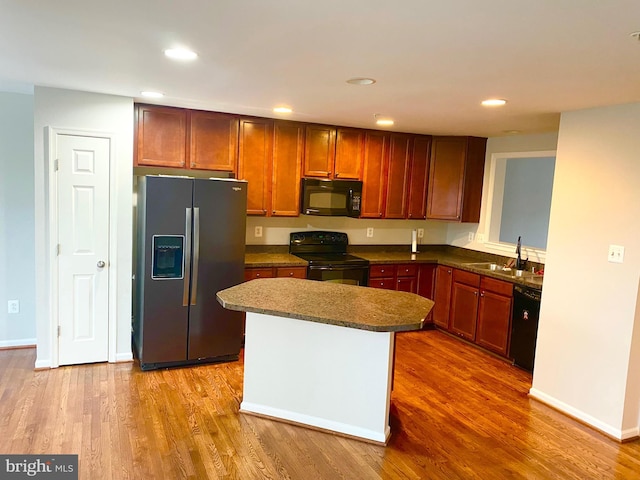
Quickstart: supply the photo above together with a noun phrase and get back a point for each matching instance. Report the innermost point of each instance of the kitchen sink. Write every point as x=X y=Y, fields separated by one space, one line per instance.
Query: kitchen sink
x=509 y=272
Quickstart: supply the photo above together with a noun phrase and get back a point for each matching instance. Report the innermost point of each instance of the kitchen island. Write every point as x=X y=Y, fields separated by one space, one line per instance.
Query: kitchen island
x=320 y=354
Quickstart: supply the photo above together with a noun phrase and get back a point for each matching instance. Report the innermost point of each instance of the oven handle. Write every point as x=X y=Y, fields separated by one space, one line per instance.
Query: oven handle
x=339 y=268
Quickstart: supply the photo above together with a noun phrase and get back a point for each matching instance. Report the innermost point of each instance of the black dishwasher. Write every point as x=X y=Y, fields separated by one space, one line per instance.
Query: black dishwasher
x=524 y=327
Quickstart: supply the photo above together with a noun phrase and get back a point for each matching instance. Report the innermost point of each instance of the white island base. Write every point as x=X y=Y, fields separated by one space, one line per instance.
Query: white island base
x=325 y=376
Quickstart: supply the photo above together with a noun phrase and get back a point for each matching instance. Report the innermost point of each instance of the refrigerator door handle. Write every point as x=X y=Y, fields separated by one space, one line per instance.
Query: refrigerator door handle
x=187 y=257
x=196 y=254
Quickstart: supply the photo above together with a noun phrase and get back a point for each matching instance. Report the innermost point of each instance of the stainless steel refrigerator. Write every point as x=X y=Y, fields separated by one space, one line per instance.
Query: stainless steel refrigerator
x=190 y=245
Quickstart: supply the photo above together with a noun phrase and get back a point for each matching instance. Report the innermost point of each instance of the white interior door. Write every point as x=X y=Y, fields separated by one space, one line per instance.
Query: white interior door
x=83 y=242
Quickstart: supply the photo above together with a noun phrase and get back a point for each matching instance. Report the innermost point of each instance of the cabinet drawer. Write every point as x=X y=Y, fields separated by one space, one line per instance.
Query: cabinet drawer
x=253 y=273
x=386 y=283
x=496 y=286
x=292 y=272
x=468 y=278
x=382 y=271
x=408 y=270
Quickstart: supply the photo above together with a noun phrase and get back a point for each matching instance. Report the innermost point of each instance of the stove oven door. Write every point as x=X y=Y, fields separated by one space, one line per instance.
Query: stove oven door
x=352 y=275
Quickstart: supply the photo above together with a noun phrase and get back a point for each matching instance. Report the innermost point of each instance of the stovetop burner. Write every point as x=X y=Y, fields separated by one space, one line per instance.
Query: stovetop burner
x=323 y=248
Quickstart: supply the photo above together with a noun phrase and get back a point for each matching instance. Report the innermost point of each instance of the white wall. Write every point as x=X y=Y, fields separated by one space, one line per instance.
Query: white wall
x=74 y=110
x=458 y=233
x=588 y=350
x=275 y=231
x=17 y=260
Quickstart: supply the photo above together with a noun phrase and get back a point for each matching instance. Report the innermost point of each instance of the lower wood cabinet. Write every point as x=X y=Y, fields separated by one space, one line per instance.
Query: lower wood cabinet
x=478 y=308
x=494 y=315
x=253 y=273
x=442 y=296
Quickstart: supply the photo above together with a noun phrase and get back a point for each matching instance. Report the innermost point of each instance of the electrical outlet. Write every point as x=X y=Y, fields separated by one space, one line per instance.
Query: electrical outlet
x=616 y=254
x=471 y=236
x=370 y=232
x=257 y=232
x=480 y=237
x=13 y=306
x=421 y=233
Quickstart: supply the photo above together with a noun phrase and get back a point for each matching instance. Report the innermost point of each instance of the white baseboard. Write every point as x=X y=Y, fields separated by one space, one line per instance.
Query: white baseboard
x=124 y=357
x=573 y=412
x=22 y=342
x=42 y=364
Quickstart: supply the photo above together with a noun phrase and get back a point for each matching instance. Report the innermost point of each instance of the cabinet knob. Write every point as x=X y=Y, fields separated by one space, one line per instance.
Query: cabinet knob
x=291 y=274
x=380 y=214
x=257 y=274
x=475 y=293
x=336 y=175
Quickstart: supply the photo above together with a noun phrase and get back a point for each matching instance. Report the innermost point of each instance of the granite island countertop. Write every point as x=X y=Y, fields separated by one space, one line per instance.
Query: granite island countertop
x=330 y=303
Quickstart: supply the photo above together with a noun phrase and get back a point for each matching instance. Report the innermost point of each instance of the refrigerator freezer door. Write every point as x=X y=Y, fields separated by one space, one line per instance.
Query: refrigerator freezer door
x=161 y=326
x=222 y=205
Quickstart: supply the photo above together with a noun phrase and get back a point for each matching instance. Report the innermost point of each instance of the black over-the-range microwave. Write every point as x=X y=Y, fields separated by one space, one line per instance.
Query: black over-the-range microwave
x=340 y=198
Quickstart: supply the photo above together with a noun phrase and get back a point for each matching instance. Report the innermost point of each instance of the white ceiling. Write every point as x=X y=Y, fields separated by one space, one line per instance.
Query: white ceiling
x=434 y=61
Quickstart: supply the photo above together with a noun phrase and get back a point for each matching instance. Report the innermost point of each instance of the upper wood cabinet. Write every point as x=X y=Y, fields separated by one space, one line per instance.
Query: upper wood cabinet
x=419 y=177
x=270 y=159
x=374 y=182
x=455 y=178
x=319 y=151
x=398 y=165
x=255 y=155
x=349 y=154
x=181 y=138
x=213 y=141
x=161 y=136
x=332 y=152
x=288 y=141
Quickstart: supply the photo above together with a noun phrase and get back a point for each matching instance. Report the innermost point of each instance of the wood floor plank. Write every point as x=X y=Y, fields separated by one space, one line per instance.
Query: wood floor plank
x=456 y=413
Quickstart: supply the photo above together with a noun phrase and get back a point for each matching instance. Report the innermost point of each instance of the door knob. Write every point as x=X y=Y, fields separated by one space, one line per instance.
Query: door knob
x=100 y=264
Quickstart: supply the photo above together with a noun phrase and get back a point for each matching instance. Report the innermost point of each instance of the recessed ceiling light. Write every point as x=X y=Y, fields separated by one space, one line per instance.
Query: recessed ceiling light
x=635 y=35
x=150 y=94
x=382 y=121
x=494 y=102
x=512 y=132
x=361 y=81
x=282 y=110
x=180 y=54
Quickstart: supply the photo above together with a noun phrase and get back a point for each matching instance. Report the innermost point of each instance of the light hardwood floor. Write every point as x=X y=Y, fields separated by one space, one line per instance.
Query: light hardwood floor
x=456 y=413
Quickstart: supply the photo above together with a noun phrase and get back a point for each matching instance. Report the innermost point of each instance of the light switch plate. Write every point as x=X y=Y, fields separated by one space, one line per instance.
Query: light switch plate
x=616 y=253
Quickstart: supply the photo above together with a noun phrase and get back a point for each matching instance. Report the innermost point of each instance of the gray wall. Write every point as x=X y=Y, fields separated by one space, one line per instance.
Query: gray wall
x=17 y=259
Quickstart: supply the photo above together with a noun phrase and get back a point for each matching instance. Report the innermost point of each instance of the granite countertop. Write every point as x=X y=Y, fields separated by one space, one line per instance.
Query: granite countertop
x=438 y=256
x=330 y=303
x=273 y=260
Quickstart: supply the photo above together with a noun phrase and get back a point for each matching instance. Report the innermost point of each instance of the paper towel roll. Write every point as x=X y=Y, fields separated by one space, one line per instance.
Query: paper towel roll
x=414 y=241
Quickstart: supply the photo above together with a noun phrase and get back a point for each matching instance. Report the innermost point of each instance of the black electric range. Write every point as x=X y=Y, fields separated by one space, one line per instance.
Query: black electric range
x=326 y=254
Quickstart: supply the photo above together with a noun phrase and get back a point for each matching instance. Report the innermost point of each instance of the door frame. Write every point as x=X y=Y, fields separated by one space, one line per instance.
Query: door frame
x=51 y=147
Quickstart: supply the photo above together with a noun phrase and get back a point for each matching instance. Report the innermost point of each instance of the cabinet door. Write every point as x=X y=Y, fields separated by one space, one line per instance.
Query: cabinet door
x=254 y=162
x=287 y=161
x=407 y=284
x=419 y=176
x=349 y=154
x=446 y=178
x=494 y=321
x=464 y=310
x=258 y=272
x=442 y=296
x=213 y=141
x=161 y=136
x=373 y=183
x=319 y=151
x=291 y=272
x=398 y=176
x=426 y=283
